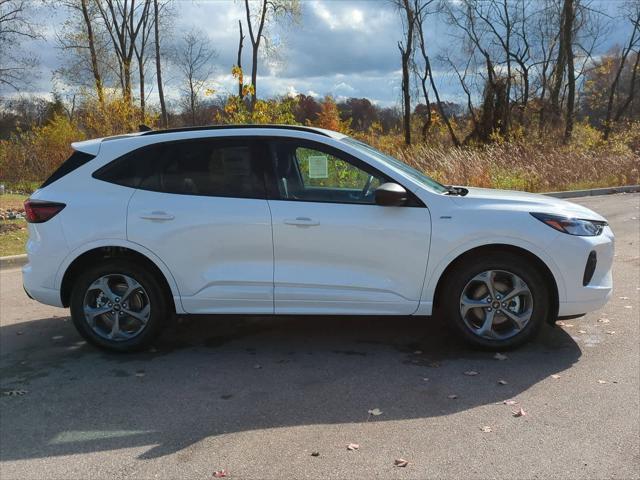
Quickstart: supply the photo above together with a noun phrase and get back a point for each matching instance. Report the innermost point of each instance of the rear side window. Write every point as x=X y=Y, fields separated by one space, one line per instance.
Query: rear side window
x=76 y=160
x=219 y=167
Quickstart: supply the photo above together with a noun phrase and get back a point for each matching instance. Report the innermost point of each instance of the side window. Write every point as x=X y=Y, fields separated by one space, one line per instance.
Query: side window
x=198 y=167
x=307 y=173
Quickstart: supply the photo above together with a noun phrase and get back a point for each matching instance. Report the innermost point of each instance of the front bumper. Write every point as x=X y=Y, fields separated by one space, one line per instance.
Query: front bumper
x=571 y=255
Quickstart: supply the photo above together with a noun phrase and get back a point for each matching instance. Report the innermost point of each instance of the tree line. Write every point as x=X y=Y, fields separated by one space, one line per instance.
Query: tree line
x=529 y=67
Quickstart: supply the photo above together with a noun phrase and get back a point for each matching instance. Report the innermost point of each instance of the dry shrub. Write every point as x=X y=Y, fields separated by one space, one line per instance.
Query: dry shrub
x=531 y=165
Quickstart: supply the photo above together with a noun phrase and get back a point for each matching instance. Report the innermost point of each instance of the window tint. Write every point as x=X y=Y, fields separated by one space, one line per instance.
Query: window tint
x=306 y=172
x=76 y=160
x=225 y=168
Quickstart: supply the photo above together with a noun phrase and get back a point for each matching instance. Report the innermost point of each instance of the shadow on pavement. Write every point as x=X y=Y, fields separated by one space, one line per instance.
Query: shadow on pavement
x=213 y=375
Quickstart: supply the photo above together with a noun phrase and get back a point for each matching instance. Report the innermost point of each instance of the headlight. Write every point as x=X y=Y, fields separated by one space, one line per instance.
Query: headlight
x=572 y=226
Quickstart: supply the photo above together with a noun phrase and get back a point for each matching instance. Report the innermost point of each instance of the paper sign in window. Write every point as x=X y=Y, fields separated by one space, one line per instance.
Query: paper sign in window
x=318 y=166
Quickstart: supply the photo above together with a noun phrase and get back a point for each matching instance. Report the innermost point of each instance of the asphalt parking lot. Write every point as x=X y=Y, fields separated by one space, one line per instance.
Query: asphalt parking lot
x=257 y=396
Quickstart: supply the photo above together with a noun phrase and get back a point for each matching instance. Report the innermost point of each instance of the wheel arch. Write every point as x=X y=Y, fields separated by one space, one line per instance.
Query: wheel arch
x=76 y=262
x=534 y=259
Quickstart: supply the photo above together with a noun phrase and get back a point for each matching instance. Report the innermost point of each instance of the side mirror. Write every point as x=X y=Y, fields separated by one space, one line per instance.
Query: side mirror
x=390 y=195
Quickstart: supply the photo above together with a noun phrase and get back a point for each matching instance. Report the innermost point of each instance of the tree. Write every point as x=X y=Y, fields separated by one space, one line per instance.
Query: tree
x=329 y=116
x=239 y=63
x=85 y=47
x=421 y=13
x=123 y=20
x=15 y=69
x=264 y=11
x=193 y=59
x=156 y=37
x=632 y=45
x=408 y=16
x=139 y=48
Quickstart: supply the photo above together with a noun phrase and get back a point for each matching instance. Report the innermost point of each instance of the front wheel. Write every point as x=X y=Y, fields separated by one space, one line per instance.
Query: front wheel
x=118 y=306
x=496 y=302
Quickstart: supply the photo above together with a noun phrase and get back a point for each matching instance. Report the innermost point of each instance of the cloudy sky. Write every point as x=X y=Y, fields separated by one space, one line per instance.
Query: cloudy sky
x=346 y=48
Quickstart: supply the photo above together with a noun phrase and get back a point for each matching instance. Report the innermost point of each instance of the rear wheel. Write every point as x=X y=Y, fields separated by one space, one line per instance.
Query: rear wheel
x=118 y=305
x=496 y=302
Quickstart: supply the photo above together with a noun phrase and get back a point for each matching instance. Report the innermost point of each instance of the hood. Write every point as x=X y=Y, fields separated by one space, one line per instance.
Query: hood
x=529 y=202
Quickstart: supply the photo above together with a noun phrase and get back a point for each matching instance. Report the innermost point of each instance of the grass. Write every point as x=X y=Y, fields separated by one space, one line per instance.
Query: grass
x=13 y=236
x=13 y=233
x=12 y=201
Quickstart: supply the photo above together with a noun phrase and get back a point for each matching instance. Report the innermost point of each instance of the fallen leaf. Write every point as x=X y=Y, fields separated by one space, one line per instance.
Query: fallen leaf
x=315 y=454
x=14 y=393
x=519 y=413
x=502 y=382
x=353 y=446
x=220 y=474
x=375 y=412
x=555 y=375
x=471 y=373
x=452 y=397
x=486 y=429
x=499 y=356
x=400 y=462
x=602 y=381
x=582 y=331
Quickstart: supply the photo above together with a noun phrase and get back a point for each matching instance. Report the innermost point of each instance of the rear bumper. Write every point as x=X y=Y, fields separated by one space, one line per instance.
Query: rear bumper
x=32 y=283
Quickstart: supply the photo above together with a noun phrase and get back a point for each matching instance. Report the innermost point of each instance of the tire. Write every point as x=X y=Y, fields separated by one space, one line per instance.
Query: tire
x=508 y=329
x=146 y=304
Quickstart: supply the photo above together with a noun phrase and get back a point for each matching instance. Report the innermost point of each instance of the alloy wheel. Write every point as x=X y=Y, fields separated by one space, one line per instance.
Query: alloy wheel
x=116 y=307
x=496 y=305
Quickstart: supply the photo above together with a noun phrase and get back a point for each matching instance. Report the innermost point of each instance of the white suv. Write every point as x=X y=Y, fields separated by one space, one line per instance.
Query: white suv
x=298 y=221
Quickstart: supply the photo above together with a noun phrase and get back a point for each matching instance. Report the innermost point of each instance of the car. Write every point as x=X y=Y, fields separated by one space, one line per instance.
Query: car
x=132 y=230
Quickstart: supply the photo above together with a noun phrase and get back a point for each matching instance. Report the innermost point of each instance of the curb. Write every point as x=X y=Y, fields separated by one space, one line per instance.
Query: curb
x=13 y=261
x=594 y=191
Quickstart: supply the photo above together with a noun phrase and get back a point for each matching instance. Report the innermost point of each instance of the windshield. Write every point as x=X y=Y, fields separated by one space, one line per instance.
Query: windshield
x=394 y=162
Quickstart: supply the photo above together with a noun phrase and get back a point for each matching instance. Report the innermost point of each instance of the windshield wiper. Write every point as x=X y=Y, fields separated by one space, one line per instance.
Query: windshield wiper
x=451 y=190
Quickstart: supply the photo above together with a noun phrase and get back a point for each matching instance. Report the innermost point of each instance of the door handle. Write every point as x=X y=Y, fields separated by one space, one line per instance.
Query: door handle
x=156 y=215
x=301 y=222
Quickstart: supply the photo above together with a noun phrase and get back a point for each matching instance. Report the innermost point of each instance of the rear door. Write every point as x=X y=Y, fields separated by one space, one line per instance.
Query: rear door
x=336 y=251
x=201 y=208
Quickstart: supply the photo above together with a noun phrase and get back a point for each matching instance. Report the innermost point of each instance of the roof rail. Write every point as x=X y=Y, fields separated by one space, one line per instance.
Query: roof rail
x=231 y=127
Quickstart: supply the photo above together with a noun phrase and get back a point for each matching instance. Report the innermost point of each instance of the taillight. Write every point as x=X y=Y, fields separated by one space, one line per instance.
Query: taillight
x=39 y=211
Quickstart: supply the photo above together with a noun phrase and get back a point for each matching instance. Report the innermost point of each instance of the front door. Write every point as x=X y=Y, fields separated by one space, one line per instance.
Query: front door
x=202 y=210
x=335 y=250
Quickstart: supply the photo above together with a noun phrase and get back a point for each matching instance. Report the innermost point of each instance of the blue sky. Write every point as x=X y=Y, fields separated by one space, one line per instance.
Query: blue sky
x=340 y=47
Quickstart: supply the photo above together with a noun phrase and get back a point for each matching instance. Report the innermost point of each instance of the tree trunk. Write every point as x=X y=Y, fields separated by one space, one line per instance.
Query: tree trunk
x=443 y=114
x=163 y=106
x=239 y=63
x=406 y=96
x=142 y=94
x=92 y=50
x=571 y=77
x=558 y=70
